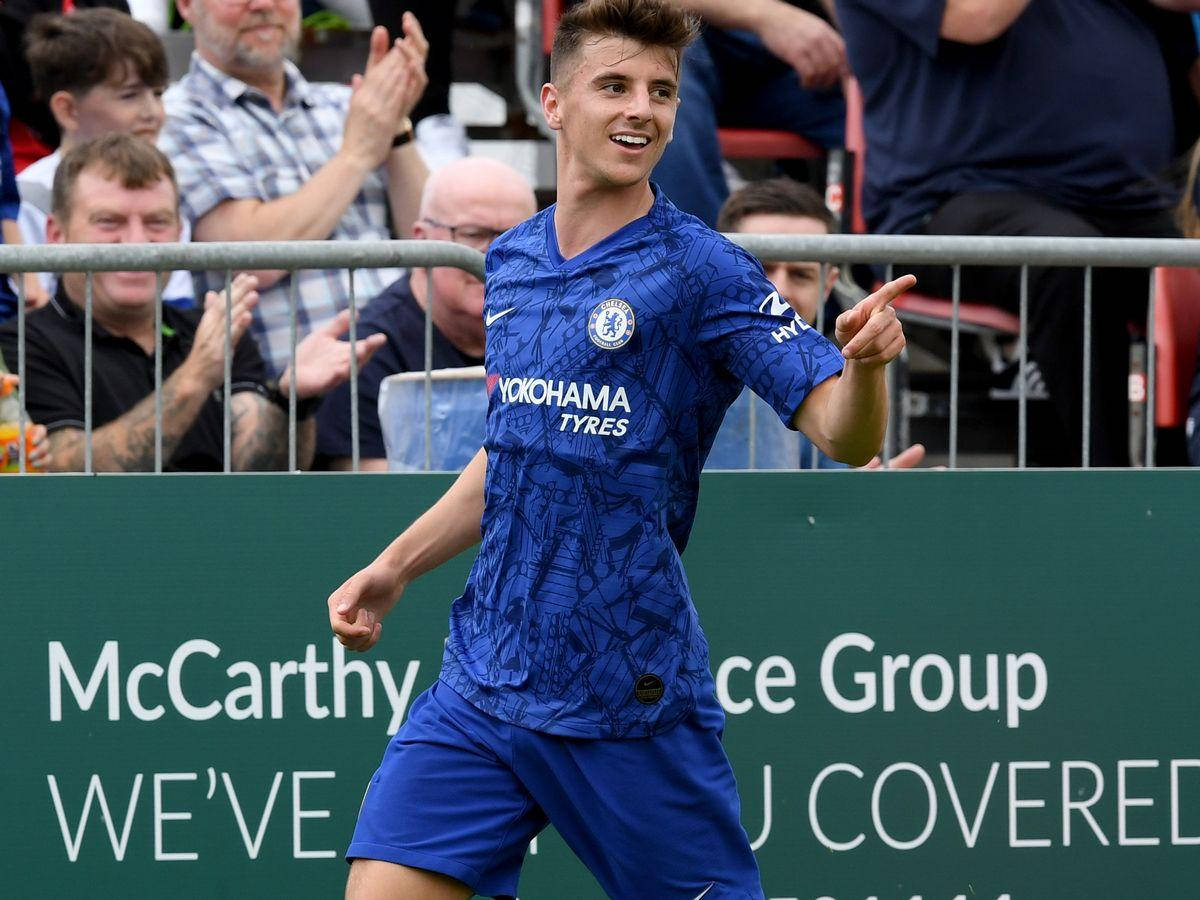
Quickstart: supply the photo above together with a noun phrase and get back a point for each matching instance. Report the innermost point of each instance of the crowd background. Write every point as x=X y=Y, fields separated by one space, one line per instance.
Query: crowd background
x=1024 y=117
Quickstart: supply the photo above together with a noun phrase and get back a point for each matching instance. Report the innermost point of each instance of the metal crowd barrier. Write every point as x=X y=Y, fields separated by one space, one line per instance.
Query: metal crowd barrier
x=1086 y=253
x=228 y=257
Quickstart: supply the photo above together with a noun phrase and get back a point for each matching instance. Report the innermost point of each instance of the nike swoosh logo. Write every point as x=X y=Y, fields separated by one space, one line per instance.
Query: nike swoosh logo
x=495 y=317
x=705 y=891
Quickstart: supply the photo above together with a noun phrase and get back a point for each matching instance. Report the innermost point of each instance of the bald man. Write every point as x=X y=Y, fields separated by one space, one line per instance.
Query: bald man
x=471 y=201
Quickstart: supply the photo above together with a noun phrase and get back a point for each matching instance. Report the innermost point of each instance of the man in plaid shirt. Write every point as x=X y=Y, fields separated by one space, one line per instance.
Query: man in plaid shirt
x=262 y=154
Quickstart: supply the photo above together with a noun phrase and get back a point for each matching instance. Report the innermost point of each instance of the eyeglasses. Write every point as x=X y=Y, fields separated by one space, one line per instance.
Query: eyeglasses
x=477 y=237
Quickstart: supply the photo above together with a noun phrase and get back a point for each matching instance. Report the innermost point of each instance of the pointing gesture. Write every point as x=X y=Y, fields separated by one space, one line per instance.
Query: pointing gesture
x=869 y=332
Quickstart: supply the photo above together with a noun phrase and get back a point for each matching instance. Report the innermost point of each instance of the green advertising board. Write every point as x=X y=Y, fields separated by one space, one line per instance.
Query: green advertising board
x=937 y=684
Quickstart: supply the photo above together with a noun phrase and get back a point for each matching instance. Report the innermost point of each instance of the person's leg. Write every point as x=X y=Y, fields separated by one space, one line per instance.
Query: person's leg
x=444 y=815
x=1055 y=318
x=1126 y=292
x=649 y=817
x=690 y=170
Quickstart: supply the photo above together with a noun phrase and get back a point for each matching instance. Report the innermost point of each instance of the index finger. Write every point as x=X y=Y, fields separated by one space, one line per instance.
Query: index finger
x=890 y=292
x=378 y=45
x=414 y=33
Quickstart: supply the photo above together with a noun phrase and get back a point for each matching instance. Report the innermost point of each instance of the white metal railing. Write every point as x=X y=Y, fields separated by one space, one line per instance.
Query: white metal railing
x=1024 y=253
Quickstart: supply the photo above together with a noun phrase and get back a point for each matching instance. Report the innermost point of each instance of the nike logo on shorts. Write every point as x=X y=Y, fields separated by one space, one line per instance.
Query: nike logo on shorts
x=711 y=885
x=495 y=317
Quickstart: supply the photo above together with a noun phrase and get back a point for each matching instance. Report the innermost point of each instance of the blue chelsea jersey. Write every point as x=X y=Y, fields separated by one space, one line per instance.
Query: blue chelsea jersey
x=608 y=376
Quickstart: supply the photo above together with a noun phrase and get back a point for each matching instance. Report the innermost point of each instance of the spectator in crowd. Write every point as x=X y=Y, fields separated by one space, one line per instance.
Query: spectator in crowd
x=101 y=72
x=38 y=134
x=1025 y=118
x=10 y=233
x=758 y=64
x=785 y=206
x=120 y=189
x=470 y=201
x=263 y=154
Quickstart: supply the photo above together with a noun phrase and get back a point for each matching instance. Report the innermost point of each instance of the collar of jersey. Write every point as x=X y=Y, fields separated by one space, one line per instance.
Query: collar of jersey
x=626 y=231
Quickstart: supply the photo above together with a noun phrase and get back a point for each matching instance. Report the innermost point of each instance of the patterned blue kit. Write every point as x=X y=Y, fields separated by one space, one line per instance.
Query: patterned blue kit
x=609 y=374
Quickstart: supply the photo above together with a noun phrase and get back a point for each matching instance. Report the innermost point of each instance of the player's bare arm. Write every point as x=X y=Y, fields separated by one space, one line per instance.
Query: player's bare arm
x=847 y=416
x=447 y=528
x=127 y=443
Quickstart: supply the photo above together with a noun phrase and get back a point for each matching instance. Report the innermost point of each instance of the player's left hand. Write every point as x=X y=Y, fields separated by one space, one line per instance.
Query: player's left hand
x=323 y=361
x=905 y=459
x=869 y=332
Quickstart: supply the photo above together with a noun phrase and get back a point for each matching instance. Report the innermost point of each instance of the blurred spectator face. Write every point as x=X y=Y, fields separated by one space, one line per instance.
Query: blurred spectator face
x=123 y=104
x=472 y=202
x=103 y=211
x=797 y=282
x=244 y=34
x=616 y=110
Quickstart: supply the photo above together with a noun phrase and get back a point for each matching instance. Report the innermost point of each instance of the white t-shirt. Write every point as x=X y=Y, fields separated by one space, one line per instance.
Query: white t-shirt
x=35 y=184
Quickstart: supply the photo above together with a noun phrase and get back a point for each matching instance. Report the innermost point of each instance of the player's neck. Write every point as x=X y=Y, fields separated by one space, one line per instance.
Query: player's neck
x=586 y=215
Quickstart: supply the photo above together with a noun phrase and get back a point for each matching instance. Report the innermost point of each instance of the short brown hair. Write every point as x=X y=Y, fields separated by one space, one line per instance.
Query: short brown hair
x=648 y=22
x=774 y=197
x=79 y=50
x=134 y=162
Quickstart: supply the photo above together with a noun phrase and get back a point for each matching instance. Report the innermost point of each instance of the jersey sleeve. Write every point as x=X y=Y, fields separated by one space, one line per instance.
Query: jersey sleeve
x=750 y=331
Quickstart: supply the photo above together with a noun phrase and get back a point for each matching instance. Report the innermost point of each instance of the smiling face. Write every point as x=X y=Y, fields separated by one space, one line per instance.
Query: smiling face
x=102 y=211
x=244 y=35
x=614 y=110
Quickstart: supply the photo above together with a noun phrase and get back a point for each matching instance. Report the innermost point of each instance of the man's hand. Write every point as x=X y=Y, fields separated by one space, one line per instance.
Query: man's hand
x=37 y=444
x=206 y=360
x=385 y=94
x=35 y=295
x=323 y=361
x=869 y=332
x=807 y=43
x=357 y=608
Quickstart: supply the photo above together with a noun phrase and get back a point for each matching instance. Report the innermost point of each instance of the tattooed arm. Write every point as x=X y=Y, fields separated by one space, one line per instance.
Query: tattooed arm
x=260 y=435
x=126 y=444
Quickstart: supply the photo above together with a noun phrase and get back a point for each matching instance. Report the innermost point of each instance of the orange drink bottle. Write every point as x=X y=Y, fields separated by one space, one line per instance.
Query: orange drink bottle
x=10 y=429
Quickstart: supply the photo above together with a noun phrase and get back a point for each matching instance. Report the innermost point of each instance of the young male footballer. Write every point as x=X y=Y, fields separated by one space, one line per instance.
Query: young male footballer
x=575 y=686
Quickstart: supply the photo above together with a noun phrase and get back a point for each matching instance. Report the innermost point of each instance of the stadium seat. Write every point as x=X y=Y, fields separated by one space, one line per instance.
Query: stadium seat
x=762 y=143
x=1176 y=330
x=979 y=318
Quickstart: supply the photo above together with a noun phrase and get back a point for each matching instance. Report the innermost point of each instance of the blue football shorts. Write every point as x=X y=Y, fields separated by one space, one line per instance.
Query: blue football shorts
x=463 y=793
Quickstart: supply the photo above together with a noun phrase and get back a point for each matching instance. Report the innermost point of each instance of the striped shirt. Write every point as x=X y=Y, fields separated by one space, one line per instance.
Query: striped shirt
x=227 y=142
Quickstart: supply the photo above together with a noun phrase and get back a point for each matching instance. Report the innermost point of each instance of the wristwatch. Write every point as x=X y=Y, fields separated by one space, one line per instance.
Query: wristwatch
x=404 y=135
x=305 y=407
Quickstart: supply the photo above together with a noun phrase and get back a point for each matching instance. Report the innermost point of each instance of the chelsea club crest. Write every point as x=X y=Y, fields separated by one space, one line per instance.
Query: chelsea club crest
x=611 y=324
